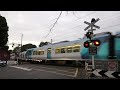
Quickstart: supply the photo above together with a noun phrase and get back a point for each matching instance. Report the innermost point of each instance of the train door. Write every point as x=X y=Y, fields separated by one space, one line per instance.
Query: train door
x=49 y=53
x=29 y=53
x=117 y=47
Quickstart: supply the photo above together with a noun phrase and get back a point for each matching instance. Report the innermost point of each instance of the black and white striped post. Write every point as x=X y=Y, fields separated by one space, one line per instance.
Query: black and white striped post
x=105 y=73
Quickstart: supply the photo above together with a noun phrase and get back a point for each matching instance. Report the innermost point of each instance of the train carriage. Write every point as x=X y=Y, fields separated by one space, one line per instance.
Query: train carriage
x=75 y=50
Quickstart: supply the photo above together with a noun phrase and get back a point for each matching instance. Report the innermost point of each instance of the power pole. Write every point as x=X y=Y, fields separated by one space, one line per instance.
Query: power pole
x=21 y=41
x=51 y=41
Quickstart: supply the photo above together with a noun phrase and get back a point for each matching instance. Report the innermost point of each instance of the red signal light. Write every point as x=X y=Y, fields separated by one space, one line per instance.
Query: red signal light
x=86 y=44
x=96 y=42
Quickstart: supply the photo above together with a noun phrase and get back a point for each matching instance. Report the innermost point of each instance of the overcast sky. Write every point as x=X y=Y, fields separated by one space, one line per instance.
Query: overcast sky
x=35 y=25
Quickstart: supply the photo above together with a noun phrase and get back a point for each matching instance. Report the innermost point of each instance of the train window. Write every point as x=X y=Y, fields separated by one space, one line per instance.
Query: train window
x=33 y=52
x=38 y=52
x=57 y=51
x=41 y=52
x=63 y=50
x=69 y=50
x=76 y=49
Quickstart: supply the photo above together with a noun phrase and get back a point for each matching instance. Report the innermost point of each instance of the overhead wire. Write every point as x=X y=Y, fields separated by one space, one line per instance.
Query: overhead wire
x=104 y=18
x=75 y=20
x=73 y=28
x=54 y=24
x=68 y=35
x=68 y=23
x=86 y=15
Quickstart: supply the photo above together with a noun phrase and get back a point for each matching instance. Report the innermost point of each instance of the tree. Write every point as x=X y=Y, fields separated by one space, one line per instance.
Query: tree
x=16 y=49
x=10 y=51
x=3 y=32
x=27 y=46
x=43 y=43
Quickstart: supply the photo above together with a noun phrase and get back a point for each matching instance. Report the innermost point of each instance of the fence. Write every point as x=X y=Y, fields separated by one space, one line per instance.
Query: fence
x=104 y=68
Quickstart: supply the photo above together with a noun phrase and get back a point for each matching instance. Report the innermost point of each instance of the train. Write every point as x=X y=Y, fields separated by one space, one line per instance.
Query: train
x=74 y=51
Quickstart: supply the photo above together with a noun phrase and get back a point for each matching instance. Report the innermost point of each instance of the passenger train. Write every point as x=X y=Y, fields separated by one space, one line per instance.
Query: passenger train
x=71 y=51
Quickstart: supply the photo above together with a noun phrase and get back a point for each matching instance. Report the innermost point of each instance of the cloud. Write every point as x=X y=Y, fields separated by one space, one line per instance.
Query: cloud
x=35 y=25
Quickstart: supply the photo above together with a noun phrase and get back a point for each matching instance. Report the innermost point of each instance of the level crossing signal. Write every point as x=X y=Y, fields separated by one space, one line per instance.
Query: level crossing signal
x=96 y=42
x=90 y=43
x=92 y=24
x=89 y=35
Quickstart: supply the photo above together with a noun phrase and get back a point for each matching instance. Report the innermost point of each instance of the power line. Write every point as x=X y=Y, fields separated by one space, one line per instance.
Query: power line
x=90 y=14
x=75 y=15
x=85 y=16
x=100 y=29
x=103 y=19
x=111 y=26
x=74 y=20
x=54 y=24
x=106 y=17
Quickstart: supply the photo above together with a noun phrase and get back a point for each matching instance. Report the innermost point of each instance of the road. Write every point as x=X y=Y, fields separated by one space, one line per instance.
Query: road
x=37 y=71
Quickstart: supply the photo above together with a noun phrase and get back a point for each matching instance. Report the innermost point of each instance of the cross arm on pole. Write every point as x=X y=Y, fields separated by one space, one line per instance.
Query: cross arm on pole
x=87 y=23
x=87 y=28
x=96 y=26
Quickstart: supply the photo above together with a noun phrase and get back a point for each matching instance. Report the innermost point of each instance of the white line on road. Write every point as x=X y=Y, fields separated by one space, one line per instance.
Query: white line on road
x=54 y=72
x=57 y=69
x=76 y=72
x=49 y=71
x=21 y=68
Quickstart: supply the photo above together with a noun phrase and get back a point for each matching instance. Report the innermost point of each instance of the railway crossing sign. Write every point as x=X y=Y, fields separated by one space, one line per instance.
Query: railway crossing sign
x=92 y=24
x=18 y=50
x=92 y=49
x=112 y=65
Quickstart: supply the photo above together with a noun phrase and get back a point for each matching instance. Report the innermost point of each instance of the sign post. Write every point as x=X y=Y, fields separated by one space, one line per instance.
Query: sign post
x=92 y=48
x=93 y=62
x=112 y=65
x=93 y=51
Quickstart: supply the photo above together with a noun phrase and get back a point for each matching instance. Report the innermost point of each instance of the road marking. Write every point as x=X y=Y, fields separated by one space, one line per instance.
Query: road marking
x=76 y=72
x=58 y=69
x=54 y=72
x=21 y=68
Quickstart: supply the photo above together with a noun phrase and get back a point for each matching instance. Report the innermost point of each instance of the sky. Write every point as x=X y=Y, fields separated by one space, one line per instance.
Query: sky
x=35 y=25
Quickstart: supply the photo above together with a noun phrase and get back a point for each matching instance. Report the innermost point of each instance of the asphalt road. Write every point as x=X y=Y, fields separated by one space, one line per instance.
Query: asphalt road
x=37 y=71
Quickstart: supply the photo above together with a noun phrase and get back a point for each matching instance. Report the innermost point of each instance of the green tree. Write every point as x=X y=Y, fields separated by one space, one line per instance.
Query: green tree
x=10 y=51
x=43 y=43
x=16 y=49
x=27 y=46
x=3 y=32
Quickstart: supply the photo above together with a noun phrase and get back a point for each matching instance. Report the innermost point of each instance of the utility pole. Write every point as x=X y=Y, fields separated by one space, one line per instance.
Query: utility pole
x=51 y=41
x=21 y=47
x=21 y=42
